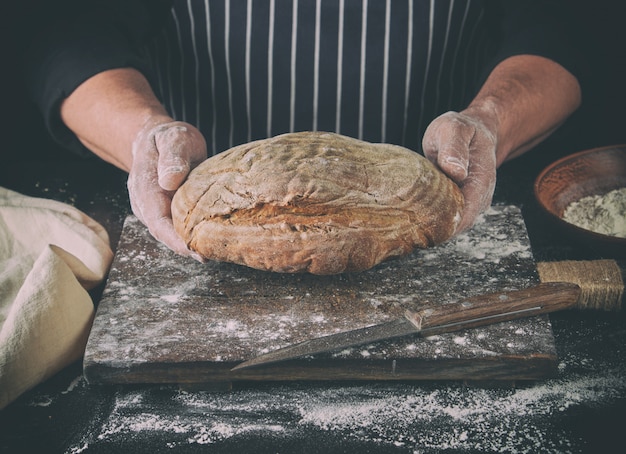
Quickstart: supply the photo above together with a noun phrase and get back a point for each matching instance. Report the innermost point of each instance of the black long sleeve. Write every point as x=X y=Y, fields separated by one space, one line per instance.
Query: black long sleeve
x=547 y=28
x=69 y=41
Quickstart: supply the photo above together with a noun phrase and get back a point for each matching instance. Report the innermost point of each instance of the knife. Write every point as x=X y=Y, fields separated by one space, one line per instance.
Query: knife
x=467 y=313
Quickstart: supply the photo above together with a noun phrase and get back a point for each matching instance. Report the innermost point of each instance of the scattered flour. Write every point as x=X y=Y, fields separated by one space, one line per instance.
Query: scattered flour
x=45 y=400
x=491 y=246
x=72 y=386
x=171 y=298
x=460 y=340
x=417 y=418
x=605 y=214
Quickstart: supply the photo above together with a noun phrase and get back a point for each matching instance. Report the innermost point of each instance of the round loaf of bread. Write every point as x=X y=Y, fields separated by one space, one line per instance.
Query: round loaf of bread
x=315 y=202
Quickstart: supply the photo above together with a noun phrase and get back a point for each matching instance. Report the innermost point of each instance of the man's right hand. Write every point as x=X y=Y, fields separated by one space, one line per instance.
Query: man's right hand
x=163 y=155
x=117 y=116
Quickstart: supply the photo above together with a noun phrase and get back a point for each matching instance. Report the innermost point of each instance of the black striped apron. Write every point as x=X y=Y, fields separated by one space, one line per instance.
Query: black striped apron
x=378 y=70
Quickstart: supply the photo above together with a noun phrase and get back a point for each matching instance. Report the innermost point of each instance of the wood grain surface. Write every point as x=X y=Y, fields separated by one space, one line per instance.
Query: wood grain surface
x=168 y=319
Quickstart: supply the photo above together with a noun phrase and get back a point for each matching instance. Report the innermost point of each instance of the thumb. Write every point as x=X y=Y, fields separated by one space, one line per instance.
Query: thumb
x=180 y=148
x=446 y=143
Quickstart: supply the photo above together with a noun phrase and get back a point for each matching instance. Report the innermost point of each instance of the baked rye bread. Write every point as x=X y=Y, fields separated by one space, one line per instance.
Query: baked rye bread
x=315 y=202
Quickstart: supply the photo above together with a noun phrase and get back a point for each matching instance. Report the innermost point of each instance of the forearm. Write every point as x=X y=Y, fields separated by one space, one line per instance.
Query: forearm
x=117 y=116
x=107 y=111
x=525 y=99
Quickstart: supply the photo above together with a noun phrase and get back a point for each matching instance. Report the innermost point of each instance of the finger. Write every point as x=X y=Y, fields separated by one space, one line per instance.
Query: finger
x=173 y=163
x=142 y=175
x=158 y=218
x=453 y=158
x=152 y=206
x=134 y=206
x=477 y=191
x=446 y=143
x=163 y=230
x=472 y=209
x=148 y=201
x=180 y=148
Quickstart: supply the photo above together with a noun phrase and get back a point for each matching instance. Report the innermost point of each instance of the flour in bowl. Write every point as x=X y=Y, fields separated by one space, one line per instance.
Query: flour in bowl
x=605 y=214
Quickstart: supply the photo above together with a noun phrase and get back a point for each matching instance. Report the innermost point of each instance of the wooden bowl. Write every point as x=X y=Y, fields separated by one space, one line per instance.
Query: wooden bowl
x=586 y=173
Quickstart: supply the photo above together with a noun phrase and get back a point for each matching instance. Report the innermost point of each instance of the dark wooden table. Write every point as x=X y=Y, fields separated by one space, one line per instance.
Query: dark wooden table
x=583 y=409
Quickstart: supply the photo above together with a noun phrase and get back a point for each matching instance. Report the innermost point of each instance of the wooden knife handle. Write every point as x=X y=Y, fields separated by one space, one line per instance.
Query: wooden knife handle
x=495 y=307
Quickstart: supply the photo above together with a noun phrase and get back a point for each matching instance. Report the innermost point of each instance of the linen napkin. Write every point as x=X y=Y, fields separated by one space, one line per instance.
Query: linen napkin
x=51 y=254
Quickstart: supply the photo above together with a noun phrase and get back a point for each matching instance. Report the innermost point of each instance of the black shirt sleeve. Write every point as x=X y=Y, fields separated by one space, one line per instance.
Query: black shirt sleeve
x=547 y=28
x=69 y=41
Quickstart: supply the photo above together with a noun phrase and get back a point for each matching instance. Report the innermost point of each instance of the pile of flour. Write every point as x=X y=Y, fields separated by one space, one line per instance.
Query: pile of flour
x=605 y=214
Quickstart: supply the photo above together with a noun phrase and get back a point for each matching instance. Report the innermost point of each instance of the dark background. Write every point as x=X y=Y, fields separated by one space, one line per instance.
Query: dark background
x=600 y=121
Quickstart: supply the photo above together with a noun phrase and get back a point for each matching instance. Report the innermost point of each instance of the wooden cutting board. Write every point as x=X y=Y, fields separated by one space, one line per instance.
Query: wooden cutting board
x=168 y=319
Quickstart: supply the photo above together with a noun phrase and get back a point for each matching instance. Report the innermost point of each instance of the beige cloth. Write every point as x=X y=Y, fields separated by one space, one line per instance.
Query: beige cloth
x=50 y=255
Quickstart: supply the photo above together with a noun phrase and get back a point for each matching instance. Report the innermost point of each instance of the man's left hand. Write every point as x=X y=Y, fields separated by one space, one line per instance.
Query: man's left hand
x=463 y=146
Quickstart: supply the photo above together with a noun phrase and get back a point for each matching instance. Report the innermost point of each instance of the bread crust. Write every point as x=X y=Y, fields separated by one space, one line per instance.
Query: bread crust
x=315 y=202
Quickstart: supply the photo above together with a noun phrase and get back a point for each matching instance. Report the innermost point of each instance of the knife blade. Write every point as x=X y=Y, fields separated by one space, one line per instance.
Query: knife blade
x=467 y=313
